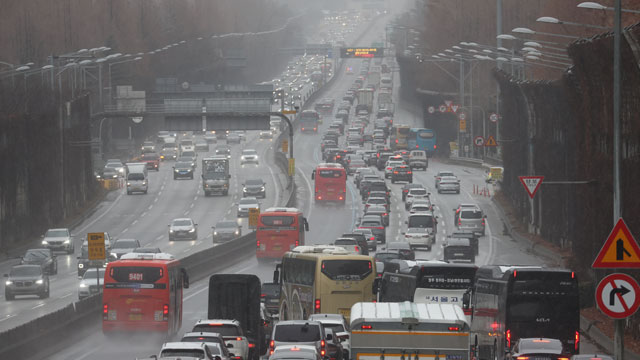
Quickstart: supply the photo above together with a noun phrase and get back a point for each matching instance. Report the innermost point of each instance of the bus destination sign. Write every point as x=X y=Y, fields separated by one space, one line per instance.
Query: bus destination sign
x=367 y=52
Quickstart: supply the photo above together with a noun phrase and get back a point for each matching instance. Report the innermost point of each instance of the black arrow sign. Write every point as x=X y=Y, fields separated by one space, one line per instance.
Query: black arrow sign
x=621 y=290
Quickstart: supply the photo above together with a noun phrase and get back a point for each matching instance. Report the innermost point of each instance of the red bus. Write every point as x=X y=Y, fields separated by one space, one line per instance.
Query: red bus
x=279 y=230
x=330 y=182
x=143 y=292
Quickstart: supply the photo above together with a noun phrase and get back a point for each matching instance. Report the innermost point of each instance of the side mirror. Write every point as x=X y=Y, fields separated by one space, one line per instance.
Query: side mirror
x=42 y=236
x=306 y=224
x=218 y=357
x=313 y=175
x=406 y=222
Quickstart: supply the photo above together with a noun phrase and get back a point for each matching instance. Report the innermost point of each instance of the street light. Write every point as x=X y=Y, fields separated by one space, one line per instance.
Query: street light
x=552 y=20
x=596 y=6
x=524 y=30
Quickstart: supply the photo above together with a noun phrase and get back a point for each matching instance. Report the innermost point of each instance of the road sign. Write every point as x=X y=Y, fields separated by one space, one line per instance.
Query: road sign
x=285 y=145
x=620 y=250
x=618 y=295
x=289 y=112
x=491 y=141
x=431 y=109
x=361 y=52
x=96 y=246
x=253 y=217
x=531 y=184
x=462 y=116
x=292 y=167
x=493 y=117
x=442 y=108
x=478 y=141
x=463 y=125
x=454 y=108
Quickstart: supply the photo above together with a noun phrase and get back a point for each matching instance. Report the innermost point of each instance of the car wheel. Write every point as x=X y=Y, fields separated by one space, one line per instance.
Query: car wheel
x=9 y=296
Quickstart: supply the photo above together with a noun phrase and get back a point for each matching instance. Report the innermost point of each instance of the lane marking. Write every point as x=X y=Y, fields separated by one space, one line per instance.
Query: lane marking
x=37 y=306
x=67 y=295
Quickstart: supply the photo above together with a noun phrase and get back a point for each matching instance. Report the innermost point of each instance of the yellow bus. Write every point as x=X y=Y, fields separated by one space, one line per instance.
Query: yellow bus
x=400 y=137
x=323 y=279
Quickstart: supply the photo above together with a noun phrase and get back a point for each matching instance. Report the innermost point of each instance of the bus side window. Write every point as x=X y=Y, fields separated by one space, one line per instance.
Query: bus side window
x=306 y=224
x=185 y=278
x=313 y=175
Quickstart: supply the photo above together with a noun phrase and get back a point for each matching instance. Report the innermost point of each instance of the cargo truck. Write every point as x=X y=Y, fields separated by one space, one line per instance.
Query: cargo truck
x=215 y=175
x=365 y=100
x=137 y=180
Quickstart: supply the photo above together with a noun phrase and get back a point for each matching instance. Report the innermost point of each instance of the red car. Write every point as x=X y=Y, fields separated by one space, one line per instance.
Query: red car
x=152 y=160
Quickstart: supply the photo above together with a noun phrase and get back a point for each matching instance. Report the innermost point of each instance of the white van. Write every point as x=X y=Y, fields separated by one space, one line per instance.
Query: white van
x=418 y=159
x=137 y=180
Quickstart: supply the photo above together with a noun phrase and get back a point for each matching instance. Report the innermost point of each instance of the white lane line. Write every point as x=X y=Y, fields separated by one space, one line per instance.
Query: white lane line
x=159 y=237
x=159 y=193
x=124 y=231
x=186 y=250
x=7 y=317
x=143 y=214
x=186 y=213
x=101 y=215
x=150 y=206
x=191 y=206
x=198 y=242
x=37 y=306
x=66 y=295
x=155 y=200
x=195 y=198
x=134 y=222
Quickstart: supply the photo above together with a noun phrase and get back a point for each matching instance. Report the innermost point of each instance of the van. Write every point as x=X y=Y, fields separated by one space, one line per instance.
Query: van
x=471 y=219
x=418 y=160
x=137 y=179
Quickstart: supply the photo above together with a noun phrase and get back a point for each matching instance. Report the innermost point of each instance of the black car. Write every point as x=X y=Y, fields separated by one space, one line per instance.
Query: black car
x=473 y=239
x=376 y=186
x=26 y=280
x=401 y=173
x=43 y=257
x=458 y=249
x=254 y=187
x=183 y=170
x=226 y=230
x=270 y=296
x=403 y=248
x=362 y=241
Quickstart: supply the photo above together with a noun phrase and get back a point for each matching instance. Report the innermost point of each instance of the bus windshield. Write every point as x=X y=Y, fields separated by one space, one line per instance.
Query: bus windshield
x=277 y=220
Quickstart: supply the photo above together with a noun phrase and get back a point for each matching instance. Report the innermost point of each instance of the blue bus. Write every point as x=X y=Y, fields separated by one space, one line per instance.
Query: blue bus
x=422 y=139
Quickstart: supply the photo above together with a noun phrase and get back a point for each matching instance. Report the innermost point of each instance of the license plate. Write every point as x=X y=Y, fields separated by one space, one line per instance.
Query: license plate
x=345 y=312
x=135 y=317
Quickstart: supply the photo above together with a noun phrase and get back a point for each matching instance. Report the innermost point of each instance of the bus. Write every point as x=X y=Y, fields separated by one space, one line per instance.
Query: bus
x=309 y=120
x=279 y=230
x=323 y=279
x=143 y=292
x=422 y=139
x=330 y=182
x=429 y=282
x=513 y=302
x=400 y=137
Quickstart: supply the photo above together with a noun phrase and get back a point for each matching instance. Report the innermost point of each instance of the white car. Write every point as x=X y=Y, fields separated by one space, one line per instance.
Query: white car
x=338 y=324
x=415 y=194
x=247 y=203
x=183 y=228
x=420 y=237
x=91 y=283
x=249 y=156
x=388 y=168
x=231 y=332
x=185 y=350
x=58 y=239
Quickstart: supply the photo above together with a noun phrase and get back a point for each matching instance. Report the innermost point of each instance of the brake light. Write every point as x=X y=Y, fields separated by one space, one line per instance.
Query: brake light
x=272 y=346
x=454 y=328
x=379 y=227
x=395 y=172
x=258 y=243
x=317 y=305
x=396 y=141
x=482 y=222
x=251 y=346
x=297 y=242
x=509 y=339
x=105 y=311
x=408 y=172
x=434 y=147
x=417 y=146
x=573 y=275
x=385 y=214
x=576 y=343
x=370 y=265
x=366 y=327
x=562 y=358
x=460 y=223
x=165 y=312
x=323 y=352
x=523 y=358
x=263 y=295
x=515 y=273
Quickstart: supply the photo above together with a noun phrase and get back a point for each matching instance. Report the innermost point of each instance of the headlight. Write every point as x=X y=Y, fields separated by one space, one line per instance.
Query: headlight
x=80 y=266
x=215 y=233
x=67 y=241
x=237 y=232
x=262 y=188
x=39 y=282
x=192 y=230
x=128 y=184
x=170 y=230
x=83 y=285
x=121 y=170
x=8 y=282
x=144 y=182
x=176 y=170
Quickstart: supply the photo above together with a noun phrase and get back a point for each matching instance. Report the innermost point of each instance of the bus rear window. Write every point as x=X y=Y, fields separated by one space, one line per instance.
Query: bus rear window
x=346 y=269
x=297 y=333
x=330 y=173
x=446 y=277
x=403 y=131
x=425 y=135
x=276 y=220
x=136 y=274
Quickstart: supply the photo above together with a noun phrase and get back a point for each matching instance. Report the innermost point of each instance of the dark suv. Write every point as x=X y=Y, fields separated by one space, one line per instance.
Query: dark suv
x=401 y=173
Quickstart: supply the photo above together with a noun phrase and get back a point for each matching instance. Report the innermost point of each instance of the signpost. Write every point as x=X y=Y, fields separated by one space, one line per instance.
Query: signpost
x=463 y=125
x=493 y=117
x=491 y=142
x=618 y=295
x=96 y=246
x=442 y=108
x=431 y=109
x=531 y=184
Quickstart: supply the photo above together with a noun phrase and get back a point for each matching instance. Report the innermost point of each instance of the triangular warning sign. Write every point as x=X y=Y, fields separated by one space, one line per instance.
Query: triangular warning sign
x=454 y=108
x=490 y=141
x=531 y=184
x=620 y=250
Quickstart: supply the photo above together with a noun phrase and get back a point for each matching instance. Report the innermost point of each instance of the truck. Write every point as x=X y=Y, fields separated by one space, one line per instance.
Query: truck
x=365 y=100
x=215 y=175
x=137 y=179
x=406 y=330
x=384 y=97
x=237 y=297
x=374 y=79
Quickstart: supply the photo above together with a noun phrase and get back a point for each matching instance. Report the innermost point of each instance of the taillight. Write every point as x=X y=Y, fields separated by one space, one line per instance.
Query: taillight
x=509 y=339
x=257 y=243
x=322 y=345
x=317 y=305
x=357 y=248
x=366 y=327
x=482 y=222
x=372 y=238
x=263 y=295
x=297 y=242
x=105 y=311
x=454 y=328
x=408 y=172
x=272 y=346
x=396 y=141
x=165 y=312
x=434 y=147
x=395 y=172
x=576 y=344
x=523 y=358
x=459 y=222
x=251 y=346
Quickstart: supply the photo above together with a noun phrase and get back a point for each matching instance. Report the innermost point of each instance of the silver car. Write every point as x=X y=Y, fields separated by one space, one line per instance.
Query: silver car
x=26 y=280
x=471 y=219
x=91 y=283
x=298 y=332
x=183 y=228
x=226 y=230
x=440 y=175
x=58 y=239
x=449 y=184
x=245 y=204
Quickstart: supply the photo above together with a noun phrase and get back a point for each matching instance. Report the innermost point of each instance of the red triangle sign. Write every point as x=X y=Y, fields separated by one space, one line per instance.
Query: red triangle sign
x=531 y=184
x=620 y=250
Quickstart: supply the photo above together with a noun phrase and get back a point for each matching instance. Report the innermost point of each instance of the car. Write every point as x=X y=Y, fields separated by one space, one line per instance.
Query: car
x=270 y=296
x=439 y=176
x=192 y=155
x=223 y=150
x=350 y=244
x=43 y=258
x=415 y=194
x=401 y=173
x=591 y=357
x=403 y=248
x=168 y=153
x=183 y=228
x=537 y=348
x=123 y=246
x=152 y=160
x=185 y=350
x=298 y=332
x=471 y=219
x=249 y=156
x=295 y=352
x=26 y=280
x=338 y=325
x=109 y=172
x=148 y=147
x=373 y=200
x=212 y=340
x=418 y=159
x=210 y=137
x=226 y=230
x=420 y=237
x=449 y=184
x=233 y=138
x=458 y=250
x=58 y=239
x=266 y=134
x=378 y=185
x=387 y=256
x=379 y=210
x=388 y=168
x=182 y=170
x=461 y=206
x=366 y=234
x=360 y=173
x=117 y=164
x=254 y=187
x=231 y=332
x=246 y=203
x=91 y=282
x=374 y=222
x=202 y=145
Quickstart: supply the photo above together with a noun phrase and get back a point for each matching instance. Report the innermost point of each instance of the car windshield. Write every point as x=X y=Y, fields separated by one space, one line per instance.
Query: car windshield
x=188 y=154
x=91 y=273
x=203 y=338
x=249 y=152
x=254 y=182
x=418 y=192
x=151 y=157
x=175 y=353
x=57 y=233
x=387 y=256
x=445 y=173
x=35 y=254
x=345 y=242
x=336 y=328
x=297 y=333
x=26 y=271
x=147 y=250
x=227 y=225
x=135 y=176
x=222 y=150
x=183 y=165
x=125 y=244
x=222 y=329
x=471 y=214
x=181 y=222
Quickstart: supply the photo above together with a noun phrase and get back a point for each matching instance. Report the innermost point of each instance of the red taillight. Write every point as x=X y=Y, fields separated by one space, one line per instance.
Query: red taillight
x=417 y=146
x=408 y=172
x=366 y=327
x=258 y=243
x=297 y=242
x=467 y=312
x=317 y=305
x=263 y=295
x=509 y=339
x=523 y=358
x=454 y=328
x=576 y=343
x=272 y=346
x=573 y=275
x=395 y=172
x=165 y=309
x=515 y=273
x=238 y=338
x=494 y=326
x=434 y=147
x=396 y=141
x=372 y=238
x=379 y=227
x=459 y=222
x=370 y=265
x=482 y=222
x=251 y=346
x=105 y=311
x=322 y=345
x=385 y=214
